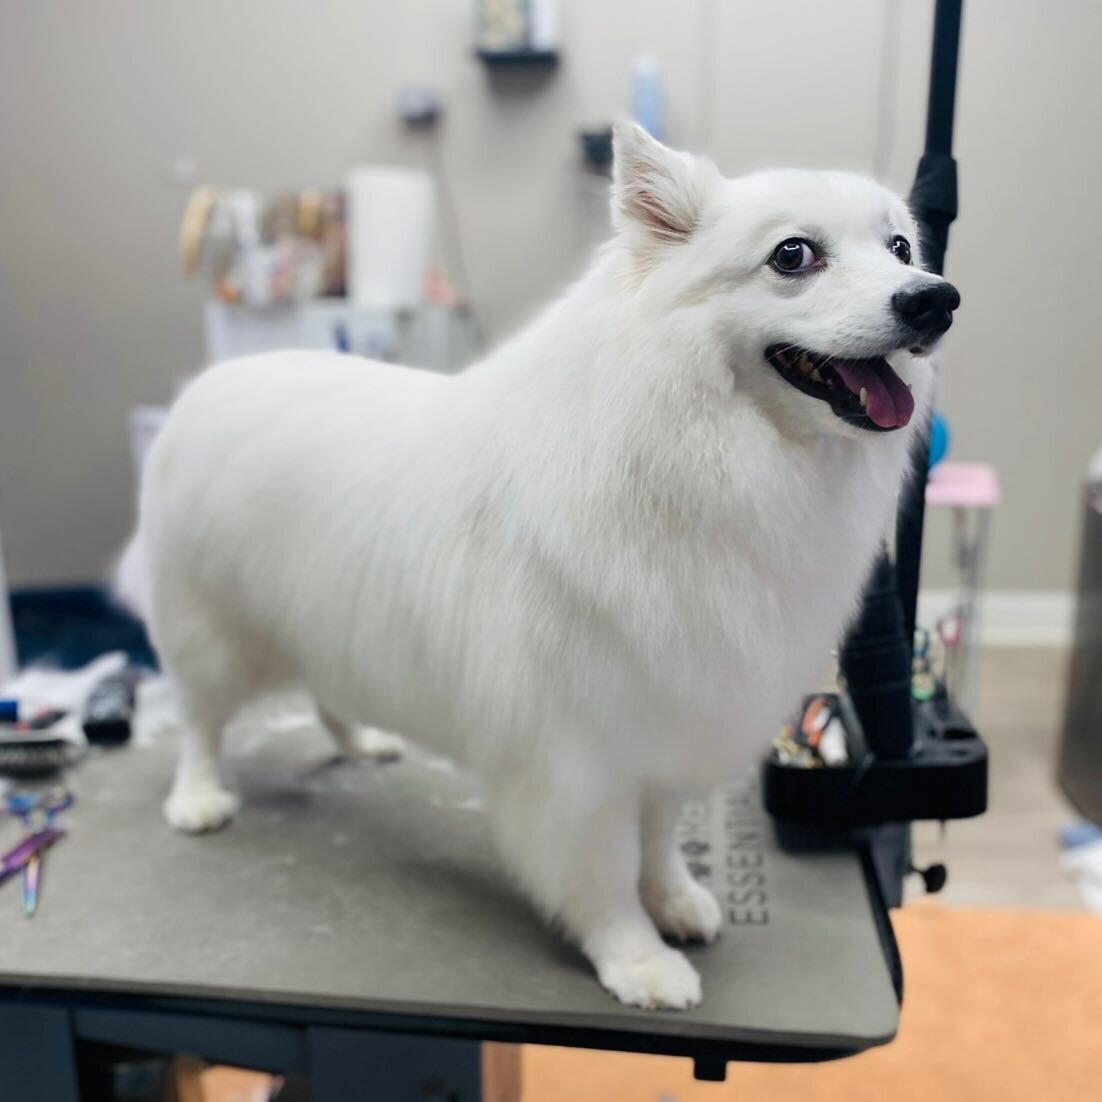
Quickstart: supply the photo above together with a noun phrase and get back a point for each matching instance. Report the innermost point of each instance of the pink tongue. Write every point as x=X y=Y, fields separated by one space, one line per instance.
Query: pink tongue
x=890 y=400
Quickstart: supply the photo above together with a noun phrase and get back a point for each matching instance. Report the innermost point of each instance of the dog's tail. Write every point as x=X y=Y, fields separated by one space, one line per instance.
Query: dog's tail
x=131 y=577
x=131 y=582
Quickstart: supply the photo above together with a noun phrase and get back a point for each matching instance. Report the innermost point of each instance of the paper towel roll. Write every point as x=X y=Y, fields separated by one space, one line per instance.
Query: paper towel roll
x=390 y=226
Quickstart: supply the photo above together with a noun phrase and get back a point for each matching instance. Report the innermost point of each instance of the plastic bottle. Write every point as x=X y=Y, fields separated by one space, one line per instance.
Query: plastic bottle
x=649 y=96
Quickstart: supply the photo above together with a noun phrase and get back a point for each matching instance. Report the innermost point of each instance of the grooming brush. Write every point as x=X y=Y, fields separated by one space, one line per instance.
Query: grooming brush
x=38 y=746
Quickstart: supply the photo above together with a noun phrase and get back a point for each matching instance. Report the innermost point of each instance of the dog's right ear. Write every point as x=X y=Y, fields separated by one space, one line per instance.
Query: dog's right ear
x=654 y=188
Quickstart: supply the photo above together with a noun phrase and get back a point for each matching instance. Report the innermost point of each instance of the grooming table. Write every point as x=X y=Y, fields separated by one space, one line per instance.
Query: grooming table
x=353 y=925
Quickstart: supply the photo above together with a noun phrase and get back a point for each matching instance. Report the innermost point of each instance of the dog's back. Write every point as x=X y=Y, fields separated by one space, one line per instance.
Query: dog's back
x=245 y=523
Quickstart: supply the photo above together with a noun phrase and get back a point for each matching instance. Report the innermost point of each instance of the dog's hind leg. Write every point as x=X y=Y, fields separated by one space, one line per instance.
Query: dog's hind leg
x=199 y=801
x=212 y=678
x=361 y=742
x=575 y=848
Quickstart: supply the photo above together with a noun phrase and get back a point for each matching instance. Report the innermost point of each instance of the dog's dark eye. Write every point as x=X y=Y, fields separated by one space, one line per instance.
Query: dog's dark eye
x=900 y=248
x=794 y=255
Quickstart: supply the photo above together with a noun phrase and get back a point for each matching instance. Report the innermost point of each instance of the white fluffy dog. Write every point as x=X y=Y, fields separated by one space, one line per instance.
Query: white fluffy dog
x=598 y=567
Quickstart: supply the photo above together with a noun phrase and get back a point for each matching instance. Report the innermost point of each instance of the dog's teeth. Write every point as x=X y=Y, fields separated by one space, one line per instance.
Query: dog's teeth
x=815 y=375
x=805 y=365
x=864 y=397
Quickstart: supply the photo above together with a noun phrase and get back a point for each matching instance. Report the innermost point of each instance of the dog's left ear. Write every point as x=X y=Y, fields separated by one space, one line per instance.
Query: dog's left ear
x=654 y=188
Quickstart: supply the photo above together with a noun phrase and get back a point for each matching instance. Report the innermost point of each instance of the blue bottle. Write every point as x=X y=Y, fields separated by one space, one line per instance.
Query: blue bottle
x=649 y=96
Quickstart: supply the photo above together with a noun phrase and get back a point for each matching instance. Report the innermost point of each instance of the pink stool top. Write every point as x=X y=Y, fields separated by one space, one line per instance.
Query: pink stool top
x=964 y=485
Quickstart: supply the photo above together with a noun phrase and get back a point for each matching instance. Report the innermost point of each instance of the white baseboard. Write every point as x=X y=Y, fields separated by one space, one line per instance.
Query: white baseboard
x=1011 y=617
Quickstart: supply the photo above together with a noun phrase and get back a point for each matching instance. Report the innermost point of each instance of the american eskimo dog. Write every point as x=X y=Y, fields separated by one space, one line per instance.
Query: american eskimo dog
x=598 y=566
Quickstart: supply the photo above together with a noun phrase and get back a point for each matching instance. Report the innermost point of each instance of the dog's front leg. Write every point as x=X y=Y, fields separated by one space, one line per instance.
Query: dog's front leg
x=574 y=845
x=681 y=907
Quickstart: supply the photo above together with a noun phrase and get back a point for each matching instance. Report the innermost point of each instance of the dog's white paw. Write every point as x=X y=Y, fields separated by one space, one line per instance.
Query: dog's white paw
x=198 y=808
x=662 y=981
x=367 y=742
x=688 y=913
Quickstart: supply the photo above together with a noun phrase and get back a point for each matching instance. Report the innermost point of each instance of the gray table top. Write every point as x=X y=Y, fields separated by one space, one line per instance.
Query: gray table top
x=374 y=888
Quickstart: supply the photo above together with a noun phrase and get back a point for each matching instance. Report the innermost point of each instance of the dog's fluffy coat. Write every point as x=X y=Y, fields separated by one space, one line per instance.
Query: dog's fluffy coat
x=597 y=567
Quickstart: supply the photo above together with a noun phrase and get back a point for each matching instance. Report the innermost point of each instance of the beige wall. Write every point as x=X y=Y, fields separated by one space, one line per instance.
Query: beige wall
x=99 y=99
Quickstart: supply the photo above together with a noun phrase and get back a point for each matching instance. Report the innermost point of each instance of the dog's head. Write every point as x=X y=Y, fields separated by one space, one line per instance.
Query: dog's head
x=808 y=285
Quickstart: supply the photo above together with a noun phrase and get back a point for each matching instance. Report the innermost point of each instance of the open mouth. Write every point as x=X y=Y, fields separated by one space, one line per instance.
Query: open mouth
x=865 y=393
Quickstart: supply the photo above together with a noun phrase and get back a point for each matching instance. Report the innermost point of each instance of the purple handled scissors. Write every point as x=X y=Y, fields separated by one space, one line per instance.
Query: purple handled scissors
x=28 y=850
x=33 y=810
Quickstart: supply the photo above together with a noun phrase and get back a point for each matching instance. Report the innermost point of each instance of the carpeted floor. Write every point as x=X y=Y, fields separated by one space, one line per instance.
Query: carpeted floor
x=1001 y=1005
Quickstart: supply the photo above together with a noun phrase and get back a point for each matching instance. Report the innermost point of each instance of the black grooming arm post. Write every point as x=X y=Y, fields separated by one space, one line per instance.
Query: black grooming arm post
x=876 y=661
x=934 y=203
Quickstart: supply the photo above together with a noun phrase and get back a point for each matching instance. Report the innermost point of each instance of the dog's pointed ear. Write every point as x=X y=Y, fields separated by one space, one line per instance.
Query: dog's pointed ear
x=655 y=188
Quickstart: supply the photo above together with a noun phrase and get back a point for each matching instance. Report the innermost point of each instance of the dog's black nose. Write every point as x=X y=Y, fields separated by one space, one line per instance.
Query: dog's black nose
x=928 y=308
